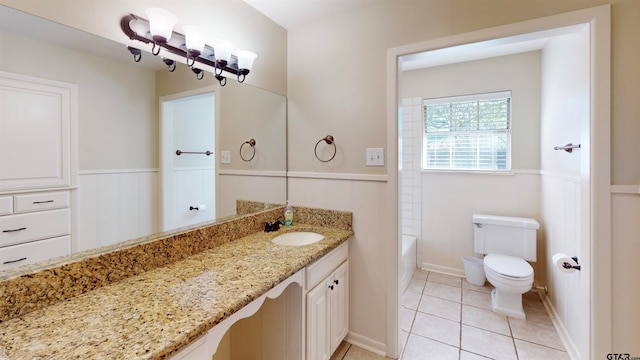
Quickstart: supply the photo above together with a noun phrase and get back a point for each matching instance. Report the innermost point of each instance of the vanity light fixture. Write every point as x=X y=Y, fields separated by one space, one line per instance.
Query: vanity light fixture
x=158 y=33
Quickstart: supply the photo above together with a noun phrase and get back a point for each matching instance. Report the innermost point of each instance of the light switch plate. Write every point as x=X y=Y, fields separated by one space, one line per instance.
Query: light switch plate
x=225 y=157
x=375 y=157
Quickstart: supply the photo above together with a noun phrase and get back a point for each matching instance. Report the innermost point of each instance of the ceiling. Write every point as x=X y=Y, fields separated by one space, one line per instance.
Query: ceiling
x=291 y=14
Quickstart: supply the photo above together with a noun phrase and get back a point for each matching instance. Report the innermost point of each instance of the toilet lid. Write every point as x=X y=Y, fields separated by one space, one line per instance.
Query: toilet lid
x=508 y=265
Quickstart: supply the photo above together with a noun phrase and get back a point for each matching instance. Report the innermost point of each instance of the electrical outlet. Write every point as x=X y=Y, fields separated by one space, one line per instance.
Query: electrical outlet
x=225 y=157
x=375 y=157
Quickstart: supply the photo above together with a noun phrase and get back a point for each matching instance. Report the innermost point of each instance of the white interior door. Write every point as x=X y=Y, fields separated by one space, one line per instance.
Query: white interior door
x=188 y=160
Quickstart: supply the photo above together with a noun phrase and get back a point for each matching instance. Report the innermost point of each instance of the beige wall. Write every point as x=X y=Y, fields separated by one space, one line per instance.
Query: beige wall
x=518 y=73
x=334 y=75
x=233 y=20
x=336 y=85
x=116 y=101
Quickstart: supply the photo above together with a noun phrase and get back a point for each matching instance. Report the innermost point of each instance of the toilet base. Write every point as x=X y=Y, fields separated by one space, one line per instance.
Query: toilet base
x=509 y=304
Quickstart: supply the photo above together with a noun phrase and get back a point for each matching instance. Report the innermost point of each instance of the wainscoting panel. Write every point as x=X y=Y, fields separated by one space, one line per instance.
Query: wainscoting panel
x=116 y=205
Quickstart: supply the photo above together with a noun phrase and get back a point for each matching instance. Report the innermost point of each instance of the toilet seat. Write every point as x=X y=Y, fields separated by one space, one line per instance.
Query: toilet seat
x=509 y=268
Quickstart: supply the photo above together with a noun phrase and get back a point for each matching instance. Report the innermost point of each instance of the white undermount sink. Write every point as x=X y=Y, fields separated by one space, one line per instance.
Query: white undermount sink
x=297 y=238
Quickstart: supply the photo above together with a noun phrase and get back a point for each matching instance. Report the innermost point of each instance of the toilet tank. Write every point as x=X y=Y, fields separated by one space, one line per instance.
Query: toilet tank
x=513 y=236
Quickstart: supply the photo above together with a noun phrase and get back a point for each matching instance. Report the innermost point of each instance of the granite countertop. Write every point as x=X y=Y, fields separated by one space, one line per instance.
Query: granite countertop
x=156 y=313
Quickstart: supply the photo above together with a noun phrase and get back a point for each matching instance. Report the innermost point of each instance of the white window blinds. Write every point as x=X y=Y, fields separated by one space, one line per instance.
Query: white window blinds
x=468 y=132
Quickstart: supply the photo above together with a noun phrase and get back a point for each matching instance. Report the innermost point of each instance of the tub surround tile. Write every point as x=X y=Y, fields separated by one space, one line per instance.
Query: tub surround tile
x=152 y=298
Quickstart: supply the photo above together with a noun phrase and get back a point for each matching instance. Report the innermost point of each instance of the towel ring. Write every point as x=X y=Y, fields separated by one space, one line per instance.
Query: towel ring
x=251 y=143
x=330 y=141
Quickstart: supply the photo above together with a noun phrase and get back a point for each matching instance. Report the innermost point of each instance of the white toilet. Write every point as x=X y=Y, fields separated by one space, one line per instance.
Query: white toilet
x=507 y=242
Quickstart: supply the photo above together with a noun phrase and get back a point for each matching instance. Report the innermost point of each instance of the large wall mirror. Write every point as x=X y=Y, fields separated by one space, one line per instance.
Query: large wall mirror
x=123 y=107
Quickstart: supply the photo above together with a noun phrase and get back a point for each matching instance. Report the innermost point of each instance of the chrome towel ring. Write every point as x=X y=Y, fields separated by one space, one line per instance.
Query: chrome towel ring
x=252 y=144
x=330 y=141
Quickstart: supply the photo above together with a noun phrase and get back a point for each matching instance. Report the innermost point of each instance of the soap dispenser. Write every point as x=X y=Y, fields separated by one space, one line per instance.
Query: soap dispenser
x=288 y=215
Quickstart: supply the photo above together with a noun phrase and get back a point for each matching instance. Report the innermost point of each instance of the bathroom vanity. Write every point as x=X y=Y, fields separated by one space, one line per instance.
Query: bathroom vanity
x=183 y=308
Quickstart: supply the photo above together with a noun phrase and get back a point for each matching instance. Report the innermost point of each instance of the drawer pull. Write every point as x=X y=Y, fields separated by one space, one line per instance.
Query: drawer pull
x=43 y=202
x=14 y=230
x=14 y=261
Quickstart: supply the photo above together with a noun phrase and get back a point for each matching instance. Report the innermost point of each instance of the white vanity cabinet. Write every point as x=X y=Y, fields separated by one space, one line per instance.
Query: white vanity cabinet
x=327 y=303
x=37 y=168
x=34 y=227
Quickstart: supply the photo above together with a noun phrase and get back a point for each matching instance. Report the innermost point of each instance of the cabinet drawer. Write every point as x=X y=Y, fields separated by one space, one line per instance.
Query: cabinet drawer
x=41 y=201
x=323 y=267
x=20 y=228
x=6 y=205
x=29 y=253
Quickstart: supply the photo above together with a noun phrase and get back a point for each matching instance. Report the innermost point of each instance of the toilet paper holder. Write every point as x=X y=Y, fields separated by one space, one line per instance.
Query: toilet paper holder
x=567 y=265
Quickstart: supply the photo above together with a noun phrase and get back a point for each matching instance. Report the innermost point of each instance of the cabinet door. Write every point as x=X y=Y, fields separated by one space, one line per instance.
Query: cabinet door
x=318 y=317
x=339 y=305
x=35 y=132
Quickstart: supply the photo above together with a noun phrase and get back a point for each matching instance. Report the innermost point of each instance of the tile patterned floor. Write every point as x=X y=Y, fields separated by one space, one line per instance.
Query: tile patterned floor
x=445 y=317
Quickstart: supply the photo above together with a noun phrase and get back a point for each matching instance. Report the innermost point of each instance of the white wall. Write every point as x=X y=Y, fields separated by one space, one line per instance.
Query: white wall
x=106 y=200
x=116 y=103
x=565 y=210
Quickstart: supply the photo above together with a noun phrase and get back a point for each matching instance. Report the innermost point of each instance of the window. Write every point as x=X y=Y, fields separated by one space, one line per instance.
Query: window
x=471 y=132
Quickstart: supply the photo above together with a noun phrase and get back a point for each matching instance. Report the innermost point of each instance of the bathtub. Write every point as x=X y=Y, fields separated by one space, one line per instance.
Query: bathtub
x=408 y=260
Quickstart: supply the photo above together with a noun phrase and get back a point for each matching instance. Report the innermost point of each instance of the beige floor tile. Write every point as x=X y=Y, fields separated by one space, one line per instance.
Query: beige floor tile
x=416 y=285
x=420 y=274
x=356 y=353
x=476 y=298
x=445 y=279
x=440 y=307
x=419 y=348
x=536 y=332
x=410 y=300
x=485 y=289
x=404 y=336
x=535 y=311
x=465 y=355
x=442 y=291
x=485 y=319
x=530 y=351
x=437 y=328
x=487 y=343
x=406 y=318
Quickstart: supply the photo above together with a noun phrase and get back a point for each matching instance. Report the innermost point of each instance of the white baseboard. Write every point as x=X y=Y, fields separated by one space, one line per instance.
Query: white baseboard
x=571 y=348
x=366 y=343
x=442 y=269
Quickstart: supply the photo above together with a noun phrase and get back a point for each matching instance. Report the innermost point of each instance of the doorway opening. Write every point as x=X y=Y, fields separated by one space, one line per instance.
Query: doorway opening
x=553 y=39
x=188 y=165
